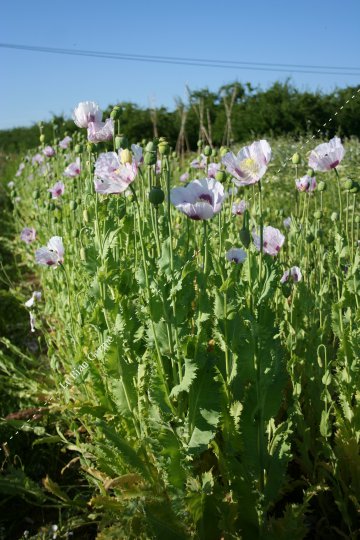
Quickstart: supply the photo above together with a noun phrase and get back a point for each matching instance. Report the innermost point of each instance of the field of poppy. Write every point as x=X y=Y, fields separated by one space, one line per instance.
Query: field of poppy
x=193 y=371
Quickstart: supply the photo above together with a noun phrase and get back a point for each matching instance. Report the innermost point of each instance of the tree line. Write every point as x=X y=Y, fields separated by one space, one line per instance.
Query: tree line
x=235 y=113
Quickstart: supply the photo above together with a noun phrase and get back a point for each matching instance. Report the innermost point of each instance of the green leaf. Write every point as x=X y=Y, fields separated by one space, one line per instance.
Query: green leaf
x=190 y=374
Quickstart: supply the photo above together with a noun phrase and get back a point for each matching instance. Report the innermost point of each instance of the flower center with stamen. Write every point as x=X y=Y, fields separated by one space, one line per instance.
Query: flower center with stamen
x=206 y=197
x=249 y=166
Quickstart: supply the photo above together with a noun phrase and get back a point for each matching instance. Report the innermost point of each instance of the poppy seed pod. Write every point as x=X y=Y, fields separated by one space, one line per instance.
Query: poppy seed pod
x=310 y=172
x=220 y=176
x=214 y=152
x=245 y=237
x=121 y=142
x=207 y=151
x=199 y=143
x=318 y=214
x=150 y=158
x=296 y=158
x=321 y=186
x=78 y=148
x=42 y=138
x=355 y=188
x=156 y=195
x=164 y=148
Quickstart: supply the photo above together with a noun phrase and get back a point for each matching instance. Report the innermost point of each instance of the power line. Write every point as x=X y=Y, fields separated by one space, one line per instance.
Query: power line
x=229 y=64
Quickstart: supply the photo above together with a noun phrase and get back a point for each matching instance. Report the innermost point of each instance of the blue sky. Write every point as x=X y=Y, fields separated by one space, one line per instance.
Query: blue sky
x=35 y=85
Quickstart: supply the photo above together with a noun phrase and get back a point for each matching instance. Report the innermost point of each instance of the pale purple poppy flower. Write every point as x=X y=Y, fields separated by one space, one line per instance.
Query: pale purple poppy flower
x=64 y=143
x=100 y=131
x=52 y=254
x=74 y=169
x=137 y=151
x=28 y=235
x=250 y=164
x=38 y=158
x=294 y=273
x=20 y=169
x=49 y=151
x=306 y=183
x=236 y=255
x=35 y=297
x=287 y=222
x=11 y=184
x=199 y=163
x=272 y=240
x=57 y=190
x=200 y=199
x=327 y=156
x=184 y=177
x=111 y=176
x=213 y=168
x=239 y=208
x=86 y=112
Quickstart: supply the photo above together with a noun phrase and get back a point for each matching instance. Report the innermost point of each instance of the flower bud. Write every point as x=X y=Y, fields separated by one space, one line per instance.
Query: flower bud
x=334 y=216
x=151 y=146
x=126 y=156
x=245 y=237
x=286 y=288
x=321 y=186
x=115 y=113
x=310 y=172
x=224 y=150
x=82 y=254
x=150 y=158
x=318 y=214
x=156 y=195
x=348 y=184
x=220 y=176
x=296 y=158
x=207 y=151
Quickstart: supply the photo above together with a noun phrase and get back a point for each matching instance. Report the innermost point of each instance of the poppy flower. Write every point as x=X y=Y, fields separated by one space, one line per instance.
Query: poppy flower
x=52 y=254
x=200 y=199
x=327 y=156
x=250 y=164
